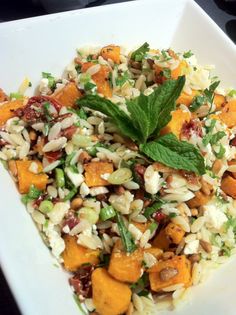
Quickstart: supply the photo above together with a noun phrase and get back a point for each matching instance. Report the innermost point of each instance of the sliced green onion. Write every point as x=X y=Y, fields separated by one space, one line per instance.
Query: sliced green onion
x=107 y=213
x=150 y=210
x=88 y=214
x=153 y=226
x=126 y=237
x=120 y=176
x=70 y=194
x=81 y=141
x=17 y=96
x=33 y=193
x=60 y=177
x=46 y=206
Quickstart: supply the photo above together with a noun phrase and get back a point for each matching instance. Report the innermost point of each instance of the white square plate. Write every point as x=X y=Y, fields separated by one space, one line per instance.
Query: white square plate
x=48 y=43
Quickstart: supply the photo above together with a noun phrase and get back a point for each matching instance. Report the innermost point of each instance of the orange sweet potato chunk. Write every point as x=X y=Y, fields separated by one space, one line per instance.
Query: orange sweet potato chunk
x=161 y=241
x=123 y=267
x=219 y=101
x=186 y=99
x=27 y=178
x=200 y=199
x=228 y=115
x=110 y=296
x=174 y=233
x=93 y=172
x=111 y=52
x=76 y=255
x=100 y=78
x=179 y=263
x=68 y=95
x=228 y=185
x=179 y=117
x=7 y=110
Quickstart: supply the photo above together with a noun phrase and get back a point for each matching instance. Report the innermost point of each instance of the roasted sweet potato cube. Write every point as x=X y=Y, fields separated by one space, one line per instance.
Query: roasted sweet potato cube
x=174 y=233
x=219 y=101
x=228 y=185
x=76 y=255
x=178 y=71
x=200 y=199
x=26 y=178
x=110 y=297
x=186 y=99
x=125 y=267
x=161 y=241
x=93 y=172
x=179 y=117
x=228 y=115
x=173 y=271
x=101 y=78
x=7 y=110
x=68 y=95
x=111 y=52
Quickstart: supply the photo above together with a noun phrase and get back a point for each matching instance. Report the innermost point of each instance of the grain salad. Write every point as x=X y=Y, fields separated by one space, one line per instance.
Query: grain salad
x=127 y=165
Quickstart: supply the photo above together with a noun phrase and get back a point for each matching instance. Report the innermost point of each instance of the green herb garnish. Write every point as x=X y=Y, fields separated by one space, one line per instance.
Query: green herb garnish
x=33 y=194
x=140 y=53
x=126 y=237
x=149 y=211
x=51 y=79
x=107 y=213
x=174 y=153
x=188 y=54
x=147 y=116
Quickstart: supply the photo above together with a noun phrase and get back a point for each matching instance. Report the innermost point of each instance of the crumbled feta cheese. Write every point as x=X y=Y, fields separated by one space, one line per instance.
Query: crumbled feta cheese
x=191 y=247
x=43 y=86
x=84 y=190
x=76 y=179
x=98 y=191
x=33 y=168
x=122 y=203
x=58 y=212
x=214 y=217
x=152 y=180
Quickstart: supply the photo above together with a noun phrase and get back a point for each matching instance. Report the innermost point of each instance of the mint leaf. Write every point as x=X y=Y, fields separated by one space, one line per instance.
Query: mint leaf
x=140 y=53
x=188 y=54
x=148 y=114
x=174 y=153
x=151 y=113
x=221 y=152
x=216 y=137
x=197 y=102
x=162 y=103
x=118 y=116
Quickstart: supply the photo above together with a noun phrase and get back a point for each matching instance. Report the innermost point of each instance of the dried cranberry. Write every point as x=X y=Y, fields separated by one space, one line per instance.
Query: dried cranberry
x=71 y=220
x=53 y=156
x=233 y=142
x=191 y=127
x=81 y=281
x=68 y=132
x=34 y=110
x=159 y=216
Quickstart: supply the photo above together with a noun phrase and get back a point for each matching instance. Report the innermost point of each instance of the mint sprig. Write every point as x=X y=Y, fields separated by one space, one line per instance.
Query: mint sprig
x=146 y=116
x=174 y=153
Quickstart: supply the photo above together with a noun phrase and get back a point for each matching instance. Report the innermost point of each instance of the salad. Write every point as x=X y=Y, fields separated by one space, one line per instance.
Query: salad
x=127 y=165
